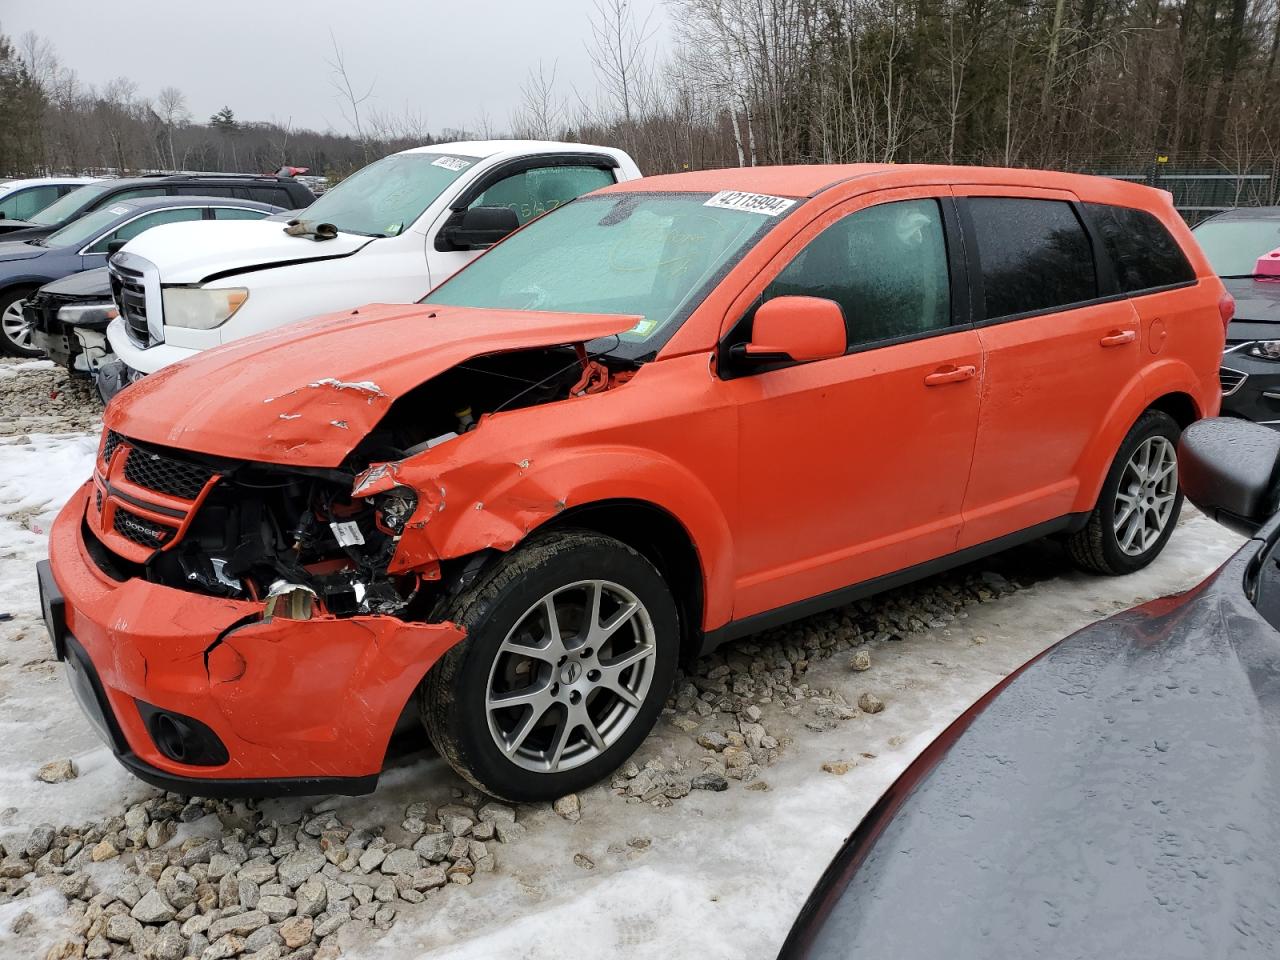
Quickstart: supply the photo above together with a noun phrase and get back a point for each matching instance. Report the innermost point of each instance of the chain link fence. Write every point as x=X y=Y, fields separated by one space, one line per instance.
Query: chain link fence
x=1202 y=189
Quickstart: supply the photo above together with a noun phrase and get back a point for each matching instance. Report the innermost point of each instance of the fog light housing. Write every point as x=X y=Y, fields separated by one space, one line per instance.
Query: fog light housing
x=1266 y=350
x=182 y=739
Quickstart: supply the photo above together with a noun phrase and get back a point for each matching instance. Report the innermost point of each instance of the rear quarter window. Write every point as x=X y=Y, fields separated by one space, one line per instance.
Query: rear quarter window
x=1034 y=255
x=1145 y=255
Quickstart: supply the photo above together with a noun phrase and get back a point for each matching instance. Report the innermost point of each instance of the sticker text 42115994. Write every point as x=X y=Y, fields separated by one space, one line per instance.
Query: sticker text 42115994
x=752 y=202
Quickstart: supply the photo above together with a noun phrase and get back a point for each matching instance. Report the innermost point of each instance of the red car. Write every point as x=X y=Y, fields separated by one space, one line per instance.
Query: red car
x=671 y=413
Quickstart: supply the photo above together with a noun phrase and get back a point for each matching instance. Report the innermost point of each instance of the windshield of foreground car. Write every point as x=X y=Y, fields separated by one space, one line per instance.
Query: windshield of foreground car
x=386 y=197
x=86 y=228
x=1234 y=246
x=655 y=255
x=64 y=207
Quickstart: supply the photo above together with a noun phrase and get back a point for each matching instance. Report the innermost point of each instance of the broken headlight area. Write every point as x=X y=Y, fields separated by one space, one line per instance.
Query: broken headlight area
x=272 y=534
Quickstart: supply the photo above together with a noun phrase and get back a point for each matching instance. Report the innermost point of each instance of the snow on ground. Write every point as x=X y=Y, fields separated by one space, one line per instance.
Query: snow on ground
x=712 y=875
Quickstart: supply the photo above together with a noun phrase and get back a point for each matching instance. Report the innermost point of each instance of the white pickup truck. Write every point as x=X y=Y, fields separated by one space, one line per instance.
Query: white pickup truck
x=388 y=233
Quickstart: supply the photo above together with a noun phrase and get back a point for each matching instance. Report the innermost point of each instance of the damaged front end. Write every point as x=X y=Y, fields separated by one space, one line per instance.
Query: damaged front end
x=317 y=541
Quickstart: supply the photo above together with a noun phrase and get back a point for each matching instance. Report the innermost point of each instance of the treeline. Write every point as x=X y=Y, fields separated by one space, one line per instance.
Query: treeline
x=1075 y=84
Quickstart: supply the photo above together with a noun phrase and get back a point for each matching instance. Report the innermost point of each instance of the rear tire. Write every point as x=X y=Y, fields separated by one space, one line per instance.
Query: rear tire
x=581 y=694
x=1139 y=503
x=15 y=333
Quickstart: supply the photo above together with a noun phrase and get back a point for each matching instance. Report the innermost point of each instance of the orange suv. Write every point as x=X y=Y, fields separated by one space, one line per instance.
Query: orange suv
x=668 y=414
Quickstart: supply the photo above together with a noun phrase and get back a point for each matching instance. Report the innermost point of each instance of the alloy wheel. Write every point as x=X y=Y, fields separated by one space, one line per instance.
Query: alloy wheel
x=1146 y=494
x=571 y=676
x=16 y=328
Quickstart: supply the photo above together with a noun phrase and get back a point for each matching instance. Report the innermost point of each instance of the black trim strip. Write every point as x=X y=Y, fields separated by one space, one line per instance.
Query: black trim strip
x=778 y=616
x=507 y=168
x=142 y=504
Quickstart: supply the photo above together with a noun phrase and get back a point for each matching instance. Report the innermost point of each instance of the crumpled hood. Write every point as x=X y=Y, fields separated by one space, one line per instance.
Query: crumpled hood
x=17 y=250
x=308 y=393
x=90 y=284
x=193 y=252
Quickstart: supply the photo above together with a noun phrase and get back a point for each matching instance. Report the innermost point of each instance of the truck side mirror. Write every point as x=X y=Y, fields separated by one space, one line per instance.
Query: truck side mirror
x=115 y=246
x=1230 y=469
x=477 y=228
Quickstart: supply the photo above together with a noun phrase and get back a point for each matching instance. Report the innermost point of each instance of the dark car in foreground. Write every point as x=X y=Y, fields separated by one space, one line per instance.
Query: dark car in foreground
x=85 y=244
x=283 y=192
x=1117 y=797
x=1234 y=242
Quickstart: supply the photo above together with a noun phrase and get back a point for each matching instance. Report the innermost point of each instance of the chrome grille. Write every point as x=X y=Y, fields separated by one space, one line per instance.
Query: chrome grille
x=1232 y=380
x=177 y=478
x=138 y=530
x=131 y=300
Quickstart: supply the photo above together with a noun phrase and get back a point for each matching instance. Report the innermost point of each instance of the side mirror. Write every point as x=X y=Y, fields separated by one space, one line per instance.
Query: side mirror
x=3 y=215
x=477 y=228
x=1229 y=468
x=800 y=329
x=115 y=246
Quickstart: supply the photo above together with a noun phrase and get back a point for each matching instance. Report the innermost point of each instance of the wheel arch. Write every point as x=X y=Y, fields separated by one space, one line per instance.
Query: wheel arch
x=660 y=537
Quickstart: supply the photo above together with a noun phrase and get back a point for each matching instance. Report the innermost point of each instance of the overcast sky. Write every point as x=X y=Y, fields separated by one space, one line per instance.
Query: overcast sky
x=447 y=61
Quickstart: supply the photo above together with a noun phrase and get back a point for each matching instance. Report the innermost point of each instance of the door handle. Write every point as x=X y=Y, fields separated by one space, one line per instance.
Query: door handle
x=1118 y=338
x=950 y=375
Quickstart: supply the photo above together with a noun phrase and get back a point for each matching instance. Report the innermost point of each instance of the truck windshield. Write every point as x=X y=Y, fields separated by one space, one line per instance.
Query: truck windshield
x=1234 y=246
x=386 y=197
x=60 y=209
x=653 y=255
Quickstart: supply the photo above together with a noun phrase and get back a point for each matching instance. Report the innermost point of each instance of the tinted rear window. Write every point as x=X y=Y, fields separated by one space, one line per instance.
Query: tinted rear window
x=1035 y=255
x=1144 y=253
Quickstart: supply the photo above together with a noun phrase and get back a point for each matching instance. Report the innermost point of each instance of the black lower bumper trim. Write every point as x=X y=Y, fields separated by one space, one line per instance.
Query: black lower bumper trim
x=219 y=788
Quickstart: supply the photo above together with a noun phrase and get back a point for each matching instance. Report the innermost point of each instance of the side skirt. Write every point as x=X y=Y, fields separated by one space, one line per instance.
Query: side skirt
x=778 y=616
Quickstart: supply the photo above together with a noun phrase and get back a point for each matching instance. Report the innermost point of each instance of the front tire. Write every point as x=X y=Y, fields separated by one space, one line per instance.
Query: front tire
x=1139 y=504
x=571 y=650
x=15 y=332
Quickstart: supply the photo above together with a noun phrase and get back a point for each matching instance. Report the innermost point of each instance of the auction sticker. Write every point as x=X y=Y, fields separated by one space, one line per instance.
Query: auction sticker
x=451 y=163
x=119 y=210
x=751 y=202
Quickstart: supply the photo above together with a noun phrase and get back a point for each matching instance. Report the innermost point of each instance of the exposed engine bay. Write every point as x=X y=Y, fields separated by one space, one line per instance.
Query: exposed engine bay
x=298 y=536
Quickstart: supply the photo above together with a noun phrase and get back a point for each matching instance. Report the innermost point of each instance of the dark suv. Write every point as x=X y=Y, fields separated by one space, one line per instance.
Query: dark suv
x=277 y=191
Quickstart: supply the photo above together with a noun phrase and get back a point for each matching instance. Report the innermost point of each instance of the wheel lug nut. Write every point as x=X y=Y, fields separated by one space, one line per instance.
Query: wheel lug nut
x=555 y=689
x=586 y=652
x=593 y=675
x=574 y=697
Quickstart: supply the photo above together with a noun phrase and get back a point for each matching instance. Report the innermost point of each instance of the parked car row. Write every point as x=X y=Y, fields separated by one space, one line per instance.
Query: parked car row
x=668 y=413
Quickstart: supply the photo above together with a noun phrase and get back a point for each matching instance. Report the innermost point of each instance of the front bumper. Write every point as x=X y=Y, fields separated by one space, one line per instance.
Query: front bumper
x=143 y=359
x=301 y=707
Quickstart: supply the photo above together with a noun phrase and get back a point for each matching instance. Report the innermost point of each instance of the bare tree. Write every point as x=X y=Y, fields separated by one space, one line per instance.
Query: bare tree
x=171 y=107
x=349 y=100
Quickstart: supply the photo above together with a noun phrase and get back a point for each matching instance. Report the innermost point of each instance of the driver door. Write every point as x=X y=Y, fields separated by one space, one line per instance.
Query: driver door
x=855 y=467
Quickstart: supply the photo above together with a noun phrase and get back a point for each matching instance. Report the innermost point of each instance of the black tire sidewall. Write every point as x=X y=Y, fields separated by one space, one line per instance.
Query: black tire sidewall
x=1152 y=423
x=7 y=346
x=490 y=617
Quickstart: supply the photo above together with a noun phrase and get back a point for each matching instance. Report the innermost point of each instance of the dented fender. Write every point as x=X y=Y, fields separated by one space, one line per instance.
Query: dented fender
x=467 y=504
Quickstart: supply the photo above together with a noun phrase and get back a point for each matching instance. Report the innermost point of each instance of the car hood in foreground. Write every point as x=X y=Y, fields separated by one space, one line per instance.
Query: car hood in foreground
x=1119 y=797
x=9 y=226
x=202 y=250
x=306 y=394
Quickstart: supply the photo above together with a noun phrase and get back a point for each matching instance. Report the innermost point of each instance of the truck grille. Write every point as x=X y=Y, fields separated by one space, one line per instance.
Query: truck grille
x=1232 y=380
x=109 y=445
x=131 y=300
x=165 y=474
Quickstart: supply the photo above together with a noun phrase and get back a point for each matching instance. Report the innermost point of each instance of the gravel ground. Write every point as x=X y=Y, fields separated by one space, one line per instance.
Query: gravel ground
x=766 y=756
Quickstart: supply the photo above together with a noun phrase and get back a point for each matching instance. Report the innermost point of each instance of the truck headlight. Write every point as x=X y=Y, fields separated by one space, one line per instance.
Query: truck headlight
x=74 y=314
x=198 y=308
x=1266 y=349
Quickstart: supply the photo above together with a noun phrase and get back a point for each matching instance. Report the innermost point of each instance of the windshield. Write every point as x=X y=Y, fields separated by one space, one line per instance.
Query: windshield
x=386 y=197
x=86 y=228
x=1234 y=246
x=653 y=255
x=59 y=210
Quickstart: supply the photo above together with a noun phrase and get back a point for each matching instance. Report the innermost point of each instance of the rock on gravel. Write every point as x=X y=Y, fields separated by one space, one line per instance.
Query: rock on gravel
x=837 y=767
x=861 y=660
x=569 y=807
x=709 y=781
x=870 y=703
x=57 y=771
